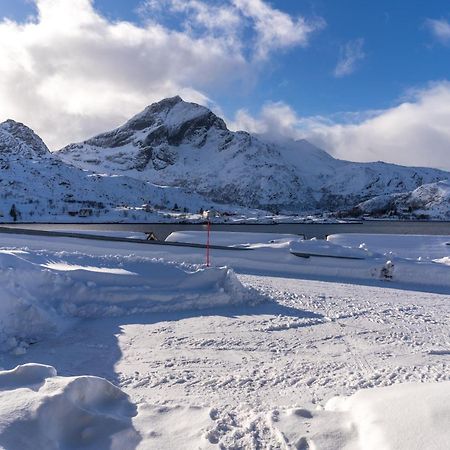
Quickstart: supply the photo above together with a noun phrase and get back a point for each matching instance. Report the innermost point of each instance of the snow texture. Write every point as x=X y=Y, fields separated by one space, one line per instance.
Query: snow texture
x=245 y=375
x=39 y=410
x=232 y=239
x=407 y=416
x=42 y=292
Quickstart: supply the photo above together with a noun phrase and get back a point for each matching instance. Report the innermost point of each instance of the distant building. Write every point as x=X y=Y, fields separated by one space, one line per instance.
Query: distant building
x=85 y=212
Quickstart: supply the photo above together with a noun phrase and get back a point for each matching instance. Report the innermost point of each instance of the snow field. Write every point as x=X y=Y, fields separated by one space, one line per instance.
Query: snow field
x=233 y=376
x=342 y=257
x=38 y=409
x=245 y=375
x=44 y=291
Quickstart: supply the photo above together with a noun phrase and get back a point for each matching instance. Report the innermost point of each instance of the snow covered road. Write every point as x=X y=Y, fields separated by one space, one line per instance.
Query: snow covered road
x=221 y=374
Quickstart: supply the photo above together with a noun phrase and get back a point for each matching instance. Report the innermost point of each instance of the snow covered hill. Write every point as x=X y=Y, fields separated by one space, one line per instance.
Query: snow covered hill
x=186 y=145
x=179 y=158
x=427 y=201
x=36 y=185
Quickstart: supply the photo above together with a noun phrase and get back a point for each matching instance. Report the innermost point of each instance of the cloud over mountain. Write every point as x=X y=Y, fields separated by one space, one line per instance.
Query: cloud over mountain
x=413 y=132
x=70 y=72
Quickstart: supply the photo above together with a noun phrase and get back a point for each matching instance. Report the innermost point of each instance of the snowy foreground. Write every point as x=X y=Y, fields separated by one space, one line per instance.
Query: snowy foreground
x=123 y=345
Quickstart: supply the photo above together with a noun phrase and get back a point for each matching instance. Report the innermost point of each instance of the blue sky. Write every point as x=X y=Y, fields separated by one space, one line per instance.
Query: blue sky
x=356 y=57
x=400 y=53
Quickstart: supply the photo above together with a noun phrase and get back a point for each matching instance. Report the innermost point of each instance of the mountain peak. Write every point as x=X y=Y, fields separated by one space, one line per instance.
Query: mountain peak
x=174 y=113
x=170 y=101
x=169 y=122
x=15 y=136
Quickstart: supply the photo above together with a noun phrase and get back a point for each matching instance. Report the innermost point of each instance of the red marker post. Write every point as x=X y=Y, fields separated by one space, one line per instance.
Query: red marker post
x=208 y=228
x=206 y=215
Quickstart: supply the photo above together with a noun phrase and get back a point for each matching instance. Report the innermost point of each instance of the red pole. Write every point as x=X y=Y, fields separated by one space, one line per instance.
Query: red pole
x=207 y=243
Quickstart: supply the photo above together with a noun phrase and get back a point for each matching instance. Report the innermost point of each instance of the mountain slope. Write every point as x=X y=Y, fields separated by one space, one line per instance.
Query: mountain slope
x=427 y=201
x=182 y=144
x=43 y=187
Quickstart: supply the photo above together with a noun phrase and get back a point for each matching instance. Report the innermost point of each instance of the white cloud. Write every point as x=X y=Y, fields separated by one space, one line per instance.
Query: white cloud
x=275 y=29
x=270 y=28
x=350 y=55
x=275 y=119
x=440 y=29
x=415 y=132
x=212 y=17
x=70 y=73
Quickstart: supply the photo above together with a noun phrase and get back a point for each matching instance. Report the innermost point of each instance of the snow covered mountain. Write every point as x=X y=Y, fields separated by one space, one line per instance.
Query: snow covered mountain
x=182 y=144
x=427 y=201
x=43 y=187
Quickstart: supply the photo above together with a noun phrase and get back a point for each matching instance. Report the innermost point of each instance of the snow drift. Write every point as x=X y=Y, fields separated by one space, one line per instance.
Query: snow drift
x=39 y=410
x=232 y=238
x=42 y=292
x=406 y=416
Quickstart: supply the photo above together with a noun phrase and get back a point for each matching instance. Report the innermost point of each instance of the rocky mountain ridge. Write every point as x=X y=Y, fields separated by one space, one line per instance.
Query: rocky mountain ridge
x=186 y=145
x=179 y=156
x=36 y=185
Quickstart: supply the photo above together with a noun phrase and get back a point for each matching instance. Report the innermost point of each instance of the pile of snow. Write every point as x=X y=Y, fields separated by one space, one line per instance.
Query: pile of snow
x=39 y=410
x=403 y=416
x=444 y=260
x=328 y=259
x=43 y=291
x=408 y=416
x=419 y=247
x=232 y=238
x=320 y=247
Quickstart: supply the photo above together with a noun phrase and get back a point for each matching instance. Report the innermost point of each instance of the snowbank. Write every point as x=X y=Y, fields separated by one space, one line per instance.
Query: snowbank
x=403 y=416
x=324 y=248
x=39 y=410
x=408 y=416
x=232 y=238
x=42 y=291
x=404 y=246
x=329 y=259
